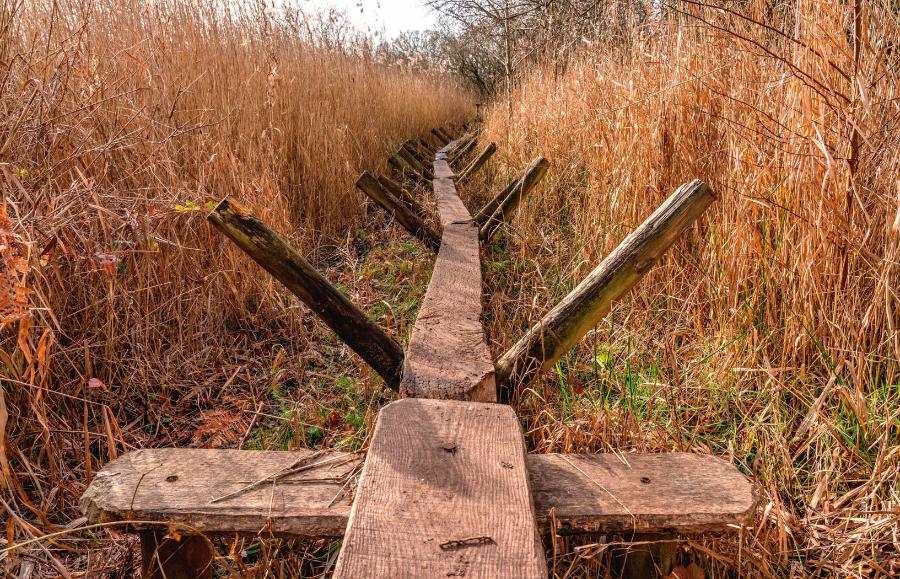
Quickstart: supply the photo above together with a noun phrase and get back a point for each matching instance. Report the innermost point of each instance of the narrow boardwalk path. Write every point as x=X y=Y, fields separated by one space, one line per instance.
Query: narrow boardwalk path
x=448 y=355
x=444 y=491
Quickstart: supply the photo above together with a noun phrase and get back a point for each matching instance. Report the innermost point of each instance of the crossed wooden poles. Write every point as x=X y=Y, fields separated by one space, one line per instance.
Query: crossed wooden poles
x=447 y=487
x=448 y=359
x=544 y=343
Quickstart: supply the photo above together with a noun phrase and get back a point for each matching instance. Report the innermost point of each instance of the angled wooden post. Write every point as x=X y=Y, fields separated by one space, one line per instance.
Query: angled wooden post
x=505 y=209
x=418 y=169
x=441 y=137
x=407 y=218
x=353 y=326
x=485 y=213
x=403 y=194
x=476 y=164
x=444 y=491
x=414 y=151
x=460 y=152
x=590 y=301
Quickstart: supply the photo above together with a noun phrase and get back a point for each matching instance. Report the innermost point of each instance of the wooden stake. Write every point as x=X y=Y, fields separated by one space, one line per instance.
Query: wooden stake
x=463 y=149
x=591 y=300
x=475 y=165
x=414 y=151
x=352 y=325
x=504 y=211
x=403 y=194
x=418 y=167
x=443 y=139
x=409 y=220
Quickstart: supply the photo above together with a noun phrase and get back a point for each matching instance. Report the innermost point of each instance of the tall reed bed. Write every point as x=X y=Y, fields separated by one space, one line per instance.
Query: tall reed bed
x=771 y=334
x=120 y=124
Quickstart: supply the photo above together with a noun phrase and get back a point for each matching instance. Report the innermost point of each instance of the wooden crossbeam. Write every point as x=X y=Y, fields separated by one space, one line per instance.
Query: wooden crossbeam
x=448 y=356
x=444 y=493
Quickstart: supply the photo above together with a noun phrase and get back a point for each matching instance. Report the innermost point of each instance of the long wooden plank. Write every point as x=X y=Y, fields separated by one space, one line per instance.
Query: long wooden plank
x=580 y=311
x=641 y=493
x=448 y=356
x=180 y=485
x=646 y=493
x=444 y=493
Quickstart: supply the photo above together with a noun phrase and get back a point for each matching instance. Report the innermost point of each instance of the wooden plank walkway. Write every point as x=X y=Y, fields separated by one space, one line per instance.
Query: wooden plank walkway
x=444 y=493
x=448 y=355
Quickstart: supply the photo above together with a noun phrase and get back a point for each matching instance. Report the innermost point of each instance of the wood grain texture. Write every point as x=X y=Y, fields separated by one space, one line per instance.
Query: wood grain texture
x=686 y=493
x=353 y=326
x=448 y=356
x=414 y=224
x=177 y=485
x=444 y=493
x=668 y=493
x=567 y=322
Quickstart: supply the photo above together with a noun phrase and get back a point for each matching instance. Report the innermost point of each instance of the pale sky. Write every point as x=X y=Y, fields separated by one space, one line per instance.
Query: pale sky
x=386 y=16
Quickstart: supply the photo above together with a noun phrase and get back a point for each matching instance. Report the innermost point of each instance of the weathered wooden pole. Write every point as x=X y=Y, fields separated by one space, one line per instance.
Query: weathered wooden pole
x=404 y=167
x=406 y=217
x=441 y=137
x=504 y=211
x=418 y=169
x=488 y=210
x=479 y=162
x=463 y=149
x=352 y=325
x=403 y=194
x=590 y=301
x=416 y=153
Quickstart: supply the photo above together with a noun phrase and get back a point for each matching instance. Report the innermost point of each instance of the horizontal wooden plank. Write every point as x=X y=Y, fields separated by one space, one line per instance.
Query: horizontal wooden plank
x=686 y=493
x=180 y=485
x=643 y=493
x=448 y=355
x=444 y=493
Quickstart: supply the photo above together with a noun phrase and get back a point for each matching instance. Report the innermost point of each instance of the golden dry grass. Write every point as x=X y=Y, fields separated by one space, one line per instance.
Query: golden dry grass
x=771 y=335
x=125 y=313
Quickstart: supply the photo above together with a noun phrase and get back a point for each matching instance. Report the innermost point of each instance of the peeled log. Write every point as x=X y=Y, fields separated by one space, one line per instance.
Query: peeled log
x=351 y=324
x=587 y=304
x=406 y=217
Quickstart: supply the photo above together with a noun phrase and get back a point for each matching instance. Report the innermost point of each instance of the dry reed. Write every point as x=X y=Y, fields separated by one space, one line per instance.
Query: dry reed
x=770 y=335
x=124 y=312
